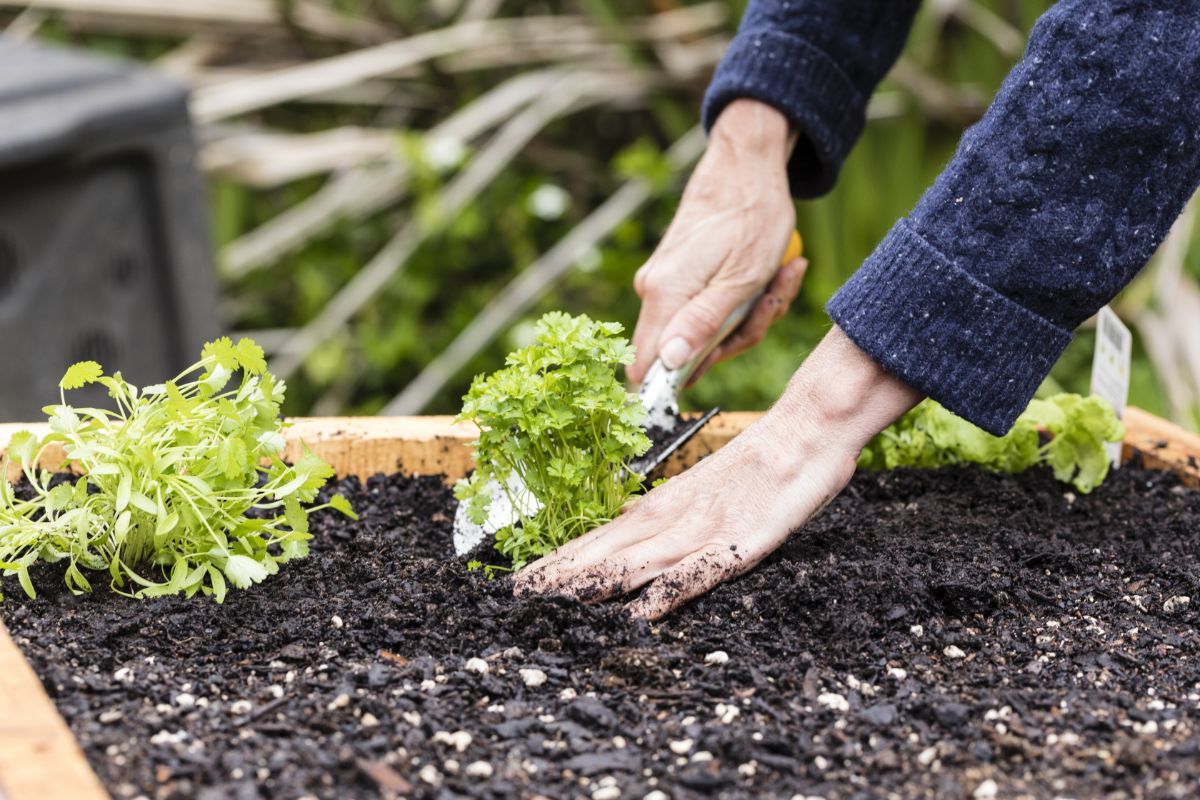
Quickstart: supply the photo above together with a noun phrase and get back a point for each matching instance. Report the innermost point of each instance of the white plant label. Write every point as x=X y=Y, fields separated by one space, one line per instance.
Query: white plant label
x=1110 y=367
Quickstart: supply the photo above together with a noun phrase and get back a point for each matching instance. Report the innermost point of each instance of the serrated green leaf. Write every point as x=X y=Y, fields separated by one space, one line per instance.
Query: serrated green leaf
x=22 y=447
x=250 y=356
x=339 y=503
x=244 y=571
x=80 y=374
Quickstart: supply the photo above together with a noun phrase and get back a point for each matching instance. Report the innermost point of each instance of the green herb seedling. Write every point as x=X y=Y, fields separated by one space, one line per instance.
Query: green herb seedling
x=559 y=418
x=930 y=436
x=173 y=497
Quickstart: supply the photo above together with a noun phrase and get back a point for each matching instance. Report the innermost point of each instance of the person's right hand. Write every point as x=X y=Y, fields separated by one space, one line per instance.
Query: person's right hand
x=723 y=247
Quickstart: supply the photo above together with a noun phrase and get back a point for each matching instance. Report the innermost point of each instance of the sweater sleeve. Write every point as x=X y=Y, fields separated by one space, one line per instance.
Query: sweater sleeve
x=817 y=62
x=1052 y=204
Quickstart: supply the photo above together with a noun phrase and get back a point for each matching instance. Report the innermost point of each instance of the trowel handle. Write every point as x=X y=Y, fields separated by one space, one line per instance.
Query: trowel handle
x=795 y=249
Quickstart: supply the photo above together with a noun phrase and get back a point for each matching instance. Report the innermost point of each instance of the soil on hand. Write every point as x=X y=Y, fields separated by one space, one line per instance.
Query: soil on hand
x=931 y=635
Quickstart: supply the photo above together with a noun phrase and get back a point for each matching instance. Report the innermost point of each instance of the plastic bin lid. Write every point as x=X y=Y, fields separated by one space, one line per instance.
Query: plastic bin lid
x=53 y=100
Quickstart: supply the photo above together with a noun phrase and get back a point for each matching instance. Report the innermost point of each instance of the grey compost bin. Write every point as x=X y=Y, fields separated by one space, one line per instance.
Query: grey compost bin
x=104 y=242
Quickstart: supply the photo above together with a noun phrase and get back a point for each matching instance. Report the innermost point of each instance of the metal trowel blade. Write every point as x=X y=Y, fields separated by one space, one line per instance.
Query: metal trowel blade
x=683 y=434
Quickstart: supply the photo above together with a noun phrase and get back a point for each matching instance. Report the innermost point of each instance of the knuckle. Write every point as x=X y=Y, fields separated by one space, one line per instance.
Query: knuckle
x=704 y=313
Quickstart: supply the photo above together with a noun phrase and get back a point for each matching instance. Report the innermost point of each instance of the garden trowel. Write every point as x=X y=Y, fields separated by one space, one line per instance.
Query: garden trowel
x=668 y=430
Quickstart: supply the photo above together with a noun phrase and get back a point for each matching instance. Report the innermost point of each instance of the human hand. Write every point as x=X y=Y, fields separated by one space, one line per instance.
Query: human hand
x=723 y=516
x=723 y=247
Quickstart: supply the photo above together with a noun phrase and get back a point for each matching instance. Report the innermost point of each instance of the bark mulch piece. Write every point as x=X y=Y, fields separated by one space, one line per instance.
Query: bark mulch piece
x=939 y=634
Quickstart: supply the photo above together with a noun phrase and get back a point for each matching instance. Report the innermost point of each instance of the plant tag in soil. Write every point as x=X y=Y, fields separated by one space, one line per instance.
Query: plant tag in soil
x=1110 y=367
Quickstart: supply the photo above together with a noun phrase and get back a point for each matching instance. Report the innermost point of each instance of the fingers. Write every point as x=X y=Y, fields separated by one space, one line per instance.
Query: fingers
x=693 y=576
x=769 y=309
x=659 y=305
x=620 y=573
x=553 y=569
x=700 y=321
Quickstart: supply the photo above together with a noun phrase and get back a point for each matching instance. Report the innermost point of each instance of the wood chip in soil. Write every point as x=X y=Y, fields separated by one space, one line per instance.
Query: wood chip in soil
x=949 y=634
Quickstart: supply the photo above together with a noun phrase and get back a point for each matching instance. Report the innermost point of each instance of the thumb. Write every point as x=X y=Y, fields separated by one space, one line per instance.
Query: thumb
x=697 y=324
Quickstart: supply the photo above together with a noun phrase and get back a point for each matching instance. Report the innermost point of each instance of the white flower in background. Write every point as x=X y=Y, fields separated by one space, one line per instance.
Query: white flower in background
x=589 y=260
x=548 y=202
x=443 y=153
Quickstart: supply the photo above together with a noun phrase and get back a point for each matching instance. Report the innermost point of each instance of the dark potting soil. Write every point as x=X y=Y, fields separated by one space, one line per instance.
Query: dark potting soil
x=939 y=634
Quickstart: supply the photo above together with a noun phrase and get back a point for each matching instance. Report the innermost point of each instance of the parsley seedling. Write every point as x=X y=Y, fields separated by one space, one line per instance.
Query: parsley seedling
x=172 y=496
x=557 y=417
x=930 y=436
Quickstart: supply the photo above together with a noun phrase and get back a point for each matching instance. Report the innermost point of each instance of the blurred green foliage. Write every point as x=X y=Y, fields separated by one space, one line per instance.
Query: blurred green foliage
x=587 y=155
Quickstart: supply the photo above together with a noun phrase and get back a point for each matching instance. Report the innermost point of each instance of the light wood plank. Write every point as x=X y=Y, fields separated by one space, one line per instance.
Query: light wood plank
x=39 y=757
x=1163 y=445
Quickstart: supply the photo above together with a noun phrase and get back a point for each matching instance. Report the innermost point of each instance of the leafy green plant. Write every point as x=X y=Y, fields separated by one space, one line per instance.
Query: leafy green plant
x=558 y=418
x=1077 y=429
x=172 y=496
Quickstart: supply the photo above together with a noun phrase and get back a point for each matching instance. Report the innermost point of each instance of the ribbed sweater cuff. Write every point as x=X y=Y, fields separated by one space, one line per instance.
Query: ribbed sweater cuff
x=802 y=82
x=977 y=352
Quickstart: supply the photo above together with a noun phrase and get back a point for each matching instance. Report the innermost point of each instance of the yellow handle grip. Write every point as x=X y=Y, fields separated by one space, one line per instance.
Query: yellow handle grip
x=795 y=248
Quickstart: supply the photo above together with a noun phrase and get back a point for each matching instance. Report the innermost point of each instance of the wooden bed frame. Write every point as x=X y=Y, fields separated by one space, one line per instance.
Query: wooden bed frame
x=39 y=757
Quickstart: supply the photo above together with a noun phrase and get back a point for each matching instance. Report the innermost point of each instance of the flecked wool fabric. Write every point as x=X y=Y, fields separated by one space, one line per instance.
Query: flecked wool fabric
x=1053 y=202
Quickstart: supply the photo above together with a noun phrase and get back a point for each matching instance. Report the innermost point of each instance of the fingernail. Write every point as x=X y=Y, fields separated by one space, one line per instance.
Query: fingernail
x=675 y=353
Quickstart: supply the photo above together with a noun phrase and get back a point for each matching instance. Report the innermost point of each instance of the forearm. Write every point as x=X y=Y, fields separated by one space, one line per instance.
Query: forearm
x=817 y=62
x=1051 y=205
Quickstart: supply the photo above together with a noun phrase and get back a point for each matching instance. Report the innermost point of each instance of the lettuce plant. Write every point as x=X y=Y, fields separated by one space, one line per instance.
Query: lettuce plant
x=558 y=418
x=1078 y=427
x=181 y=489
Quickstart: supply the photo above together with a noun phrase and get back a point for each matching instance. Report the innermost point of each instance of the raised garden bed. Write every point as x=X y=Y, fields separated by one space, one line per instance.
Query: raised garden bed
x=931 y=634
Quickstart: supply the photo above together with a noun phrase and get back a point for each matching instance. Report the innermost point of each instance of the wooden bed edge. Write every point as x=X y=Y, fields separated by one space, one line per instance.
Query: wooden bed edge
x=39 y=757
x=364 y=446
x=1162 y=445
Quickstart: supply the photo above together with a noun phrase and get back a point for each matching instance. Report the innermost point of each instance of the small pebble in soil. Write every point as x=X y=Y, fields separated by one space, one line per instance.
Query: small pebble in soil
x=479 y=769
x=240 y=708
x=459 y=740
x=369 y=720
x=1176 y=604
x=701 y=756
x=834 y=701
x=533 y=677
x=476 y=665
x=185 y=700
x=986 y=790
x=716 y=658
x=567 y=695
x=607 y=793
x=429 y=774
x=413 y=718
x=897 y=673
x=953 y=651
x=339 y=702
x=656 y=794
x=680 y=746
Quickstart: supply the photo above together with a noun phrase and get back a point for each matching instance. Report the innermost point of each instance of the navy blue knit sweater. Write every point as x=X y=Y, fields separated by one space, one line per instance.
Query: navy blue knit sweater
x=1053 y=202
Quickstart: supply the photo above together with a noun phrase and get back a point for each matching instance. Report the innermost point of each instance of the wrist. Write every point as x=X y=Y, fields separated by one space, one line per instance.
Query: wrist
x=750 y=128
x=840 y=397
